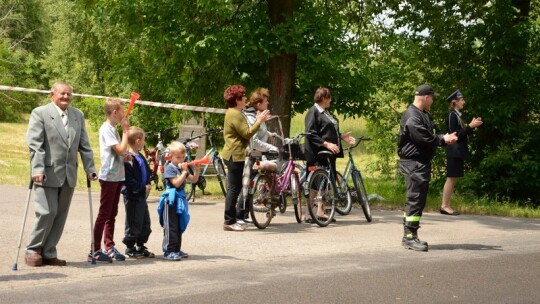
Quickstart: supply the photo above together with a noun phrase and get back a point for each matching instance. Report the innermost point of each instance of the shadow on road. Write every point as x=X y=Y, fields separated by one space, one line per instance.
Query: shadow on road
x=464 y=247
x=32 y=276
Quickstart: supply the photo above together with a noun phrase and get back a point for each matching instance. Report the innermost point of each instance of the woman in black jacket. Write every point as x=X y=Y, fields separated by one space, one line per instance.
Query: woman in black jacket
x=323 y=133
x=457 y=153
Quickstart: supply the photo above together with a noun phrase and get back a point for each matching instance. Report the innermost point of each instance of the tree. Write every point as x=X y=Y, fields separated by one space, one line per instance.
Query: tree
x=488 y=50
x=22 y=40
x=169 y=53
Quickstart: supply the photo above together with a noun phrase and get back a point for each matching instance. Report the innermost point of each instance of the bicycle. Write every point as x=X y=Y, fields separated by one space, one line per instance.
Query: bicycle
x=215 y=160
x=324 y=192
x=268 y=189
x=358 y=190
x=156 y=159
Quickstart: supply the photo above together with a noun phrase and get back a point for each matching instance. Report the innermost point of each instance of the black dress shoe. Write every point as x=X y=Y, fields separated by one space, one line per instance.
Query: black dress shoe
x=448 y=213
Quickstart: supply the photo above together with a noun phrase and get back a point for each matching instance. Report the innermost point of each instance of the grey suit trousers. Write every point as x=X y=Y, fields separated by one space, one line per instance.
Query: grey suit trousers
x=51 y=208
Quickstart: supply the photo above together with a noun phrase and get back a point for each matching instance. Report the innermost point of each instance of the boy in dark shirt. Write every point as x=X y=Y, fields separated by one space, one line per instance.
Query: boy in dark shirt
x=136 y=187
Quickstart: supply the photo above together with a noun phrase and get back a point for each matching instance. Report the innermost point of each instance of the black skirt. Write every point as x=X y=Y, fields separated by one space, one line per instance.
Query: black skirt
x=454 y=167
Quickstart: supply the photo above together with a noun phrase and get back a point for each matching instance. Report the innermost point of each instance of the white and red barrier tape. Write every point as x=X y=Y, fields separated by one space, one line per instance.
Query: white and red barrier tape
x=140 y=102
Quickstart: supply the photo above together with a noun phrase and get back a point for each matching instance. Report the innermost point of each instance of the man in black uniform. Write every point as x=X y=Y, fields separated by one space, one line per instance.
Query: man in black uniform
x=416 y=147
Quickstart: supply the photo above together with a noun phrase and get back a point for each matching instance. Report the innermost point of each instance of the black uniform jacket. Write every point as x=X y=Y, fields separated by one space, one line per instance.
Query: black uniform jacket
x=454 y=123
x=320 y=129
x=417 y=139
x=134 y=184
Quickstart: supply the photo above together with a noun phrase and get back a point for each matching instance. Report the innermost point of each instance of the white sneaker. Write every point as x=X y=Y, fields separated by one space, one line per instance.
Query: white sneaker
x=234 y=227
x=248 y=220
x=241 y=222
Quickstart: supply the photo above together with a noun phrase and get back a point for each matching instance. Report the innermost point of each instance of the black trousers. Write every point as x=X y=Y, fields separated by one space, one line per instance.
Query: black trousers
x=234 y=187
x=417 y=176
x=138 y=223
x=172 y=237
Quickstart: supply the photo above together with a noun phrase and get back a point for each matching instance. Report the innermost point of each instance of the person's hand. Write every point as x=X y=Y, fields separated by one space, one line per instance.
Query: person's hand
x=263 y=116
x=347 y=137
x=124 y=123
x=148 y=188
x=183 y=166
x=38 y=178
x=450 y=138
x=476 y=122
x=332 y=147
x=128 y=158
x=91 y=176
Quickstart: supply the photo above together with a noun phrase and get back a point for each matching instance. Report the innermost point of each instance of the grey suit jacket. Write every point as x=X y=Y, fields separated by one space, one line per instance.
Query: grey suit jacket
x=54 y=153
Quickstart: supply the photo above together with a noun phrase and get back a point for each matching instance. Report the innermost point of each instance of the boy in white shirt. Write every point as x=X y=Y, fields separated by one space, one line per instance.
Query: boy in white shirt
x=113 y=149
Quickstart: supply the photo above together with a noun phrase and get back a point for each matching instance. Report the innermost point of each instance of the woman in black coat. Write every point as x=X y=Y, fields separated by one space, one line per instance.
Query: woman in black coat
x=323 y=133
x=458 y=152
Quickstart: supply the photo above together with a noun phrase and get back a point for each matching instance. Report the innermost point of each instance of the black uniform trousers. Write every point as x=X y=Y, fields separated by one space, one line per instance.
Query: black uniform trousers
x=417 y=176
x=138 y=223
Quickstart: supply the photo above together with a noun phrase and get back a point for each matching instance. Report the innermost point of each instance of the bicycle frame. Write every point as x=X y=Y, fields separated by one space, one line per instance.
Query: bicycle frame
x=351 y=166
x=156 y=159
x=215 y=159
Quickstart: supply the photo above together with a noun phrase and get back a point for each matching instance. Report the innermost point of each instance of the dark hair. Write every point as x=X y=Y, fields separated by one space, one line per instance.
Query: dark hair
x=320 y=94
x=233 y=93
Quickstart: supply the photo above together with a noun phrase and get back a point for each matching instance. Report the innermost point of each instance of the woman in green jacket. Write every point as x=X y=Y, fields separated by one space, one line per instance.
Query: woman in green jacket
x=236 y=133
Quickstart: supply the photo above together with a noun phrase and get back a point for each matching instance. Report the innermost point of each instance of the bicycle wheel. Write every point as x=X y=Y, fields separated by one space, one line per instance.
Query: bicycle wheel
x=190 y=190
x=296 y=194
x=221 y=174
x=344 y=199
x=190 y=187
x=261 y=209
x=361 y=194
x=321 y=192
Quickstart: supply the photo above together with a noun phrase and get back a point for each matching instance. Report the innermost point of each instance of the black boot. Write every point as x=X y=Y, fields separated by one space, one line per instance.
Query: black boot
x=411 y=241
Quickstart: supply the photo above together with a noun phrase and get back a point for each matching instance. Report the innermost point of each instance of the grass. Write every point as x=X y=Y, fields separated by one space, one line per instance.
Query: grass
x=15 y=170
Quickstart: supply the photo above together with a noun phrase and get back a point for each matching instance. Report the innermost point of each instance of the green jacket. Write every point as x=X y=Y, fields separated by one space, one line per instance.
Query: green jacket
x=236 y=133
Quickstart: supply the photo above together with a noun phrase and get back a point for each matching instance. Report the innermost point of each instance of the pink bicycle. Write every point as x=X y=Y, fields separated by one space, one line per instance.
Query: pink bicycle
x=270 y=189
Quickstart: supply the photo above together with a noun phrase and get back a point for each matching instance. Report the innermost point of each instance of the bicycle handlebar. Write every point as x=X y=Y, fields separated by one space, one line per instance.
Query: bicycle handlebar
x=211 y=131
x=287 y=140
x=358 y=141
x=159 y=132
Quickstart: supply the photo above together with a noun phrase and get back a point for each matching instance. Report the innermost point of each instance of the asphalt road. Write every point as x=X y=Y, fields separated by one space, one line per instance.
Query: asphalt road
x=472 y=259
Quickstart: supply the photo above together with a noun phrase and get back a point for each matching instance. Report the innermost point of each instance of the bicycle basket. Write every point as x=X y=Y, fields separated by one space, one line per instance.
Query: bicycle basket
x=297 y=150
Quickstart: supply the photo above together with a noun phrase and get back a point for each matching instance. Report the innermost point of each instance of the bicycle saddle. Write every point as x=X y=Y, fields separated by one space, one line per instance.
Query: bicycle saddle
x=325 y=154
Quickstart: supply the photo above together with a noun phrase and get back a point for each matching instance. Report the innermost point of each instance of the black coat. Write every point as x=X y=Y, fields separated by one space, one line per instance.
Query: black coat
x=320 y=129
x=134 y=184
x=417 y=139
x=454 y=123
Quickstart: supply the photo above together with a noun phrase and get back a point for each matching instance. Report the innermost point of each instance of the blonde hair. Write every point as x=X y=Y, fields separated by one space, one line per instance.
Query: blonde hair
x=257 y=97
x=176 y=147
x=135 y=133
x=112 y=104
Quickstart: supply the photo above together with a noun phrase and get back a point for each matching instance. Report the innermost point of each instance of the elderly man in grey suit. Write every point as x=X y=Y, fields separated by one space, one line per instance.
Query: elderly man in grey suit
x=56 y=132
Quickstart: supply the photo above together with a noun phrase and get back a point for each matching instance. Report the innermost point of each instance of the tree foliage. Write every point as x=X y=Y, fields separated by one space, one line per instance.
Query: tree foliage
x=490 y=51
x=23 y=34
x=187 y=52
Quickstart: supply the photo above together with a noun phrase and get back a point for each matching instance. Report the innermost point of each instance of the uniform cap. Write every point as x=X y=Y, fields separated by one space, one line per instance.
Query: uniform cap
x=456 y=95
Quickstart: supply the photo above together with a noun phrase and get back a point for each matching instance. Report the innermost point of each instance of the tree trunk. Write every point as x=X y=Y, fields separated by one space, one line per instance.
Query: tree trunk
x=282 y=67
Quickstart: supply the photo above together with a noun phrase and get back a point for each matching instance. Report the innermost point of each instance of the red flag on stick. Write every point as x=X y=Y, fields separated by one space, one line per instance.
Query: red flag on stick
x=134 y=97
